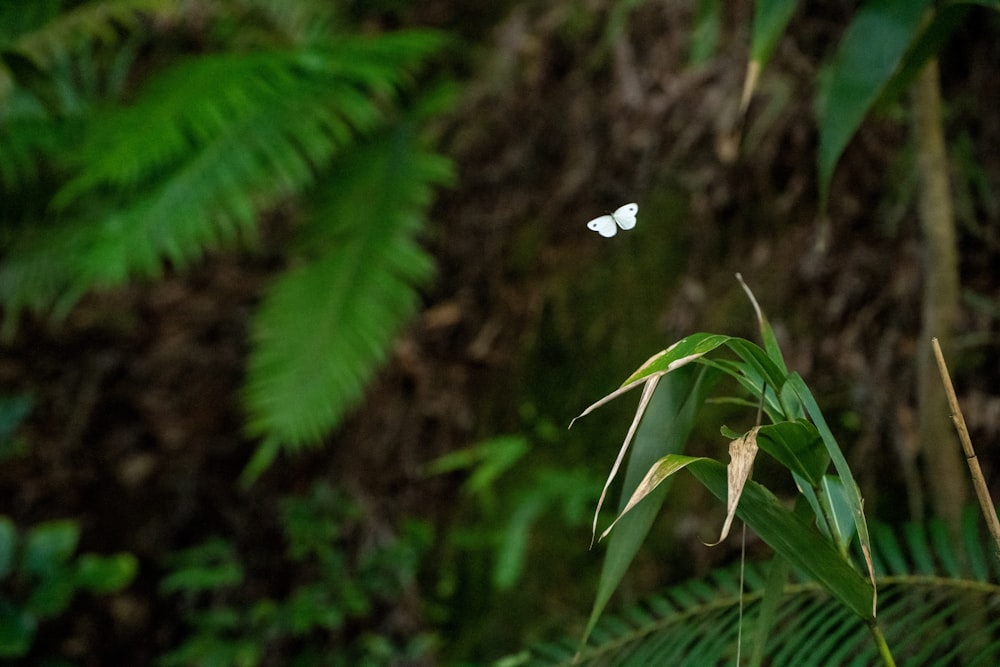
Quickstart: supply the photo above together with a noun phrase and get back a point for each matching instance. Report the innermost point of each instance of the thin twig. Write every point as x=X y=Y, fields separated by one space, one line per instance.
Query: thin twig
x=978 y=481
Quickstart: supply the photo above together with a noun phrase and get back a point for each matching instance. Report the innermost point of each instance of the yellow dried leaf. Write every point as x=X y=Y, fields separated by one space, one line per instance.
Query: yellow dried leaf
x=742 y=452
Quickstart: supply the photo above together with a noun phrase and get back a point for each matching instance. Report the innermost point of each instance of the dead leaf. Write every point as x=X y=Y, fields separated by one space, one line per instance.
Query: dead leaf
x=647 y=393
x=742 y=452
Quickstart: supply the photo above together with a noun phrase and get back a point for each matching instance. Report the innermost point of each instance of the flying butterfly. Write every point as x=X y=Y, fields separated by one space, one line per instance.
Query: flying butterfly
x=607 y=225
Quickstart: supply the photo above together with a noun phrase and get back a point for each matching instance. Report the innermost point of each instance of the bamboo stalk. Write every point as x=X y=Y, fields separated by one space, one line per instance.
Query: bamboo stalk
x=978 y=481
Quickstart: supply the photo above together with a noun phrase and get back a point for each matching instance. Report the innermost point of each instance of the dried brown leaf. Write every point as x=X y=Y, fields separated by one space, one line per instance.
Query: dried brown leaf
x=742 y=452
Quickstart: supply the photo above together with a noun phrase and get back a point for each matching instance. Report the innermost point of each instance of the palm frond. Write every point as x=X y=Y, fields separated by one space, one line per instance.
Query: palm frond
x=326 y=324
x=938 y=605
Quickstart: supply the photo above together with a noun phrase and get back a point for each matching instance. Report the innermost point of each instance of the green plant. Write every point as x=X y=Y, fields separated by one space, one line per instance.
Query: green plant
x=814 y=538
x=891 y=46
x=334 y=591
x=510 y=494
x=39 y=577
x=124 y=152
x=936 y=596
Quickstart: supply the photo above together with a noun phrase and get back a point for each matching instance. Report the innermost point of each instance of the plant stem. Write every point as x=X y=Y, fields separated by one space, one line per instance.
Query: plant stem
x=978 y=480
x=945 y=480
x=883 y=647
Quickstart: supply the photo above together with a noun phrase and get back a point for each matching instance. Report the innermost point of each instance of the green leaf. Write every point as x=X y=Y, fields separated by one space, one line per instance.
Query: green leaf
x=207 y=145
x=870 y=52
x=85 y=25
x=205 y=567
x=704 y=35
x=326 y=325
x=106 y=574
x=677 y=355
x=766 y=332
x=48 y=546
x=663 y=430
x=53 y=594
x=514 y=544
x=769 y=20
x=797 y=446
x=657 y=474
x=774 y=589
x=851 y=492
x=758 y=367
x=927 y=45
x=841 y=516
x=792 y=538
x=487 y=461
x=941 y=619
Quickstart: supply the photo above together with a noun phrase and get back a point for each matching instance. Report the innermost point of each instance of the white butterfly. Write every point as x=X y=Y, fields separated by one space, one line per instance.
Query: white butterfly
x=607 y=225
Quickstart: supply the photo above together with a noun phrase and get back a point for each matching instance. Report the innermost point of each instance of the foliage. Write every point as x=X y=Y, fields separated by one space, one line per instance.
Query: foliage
x=115 y=164
x=928 y=580
x=509 y=495
x=814 y=538
x=332 y=588
x=881 y=52
x=39 y=577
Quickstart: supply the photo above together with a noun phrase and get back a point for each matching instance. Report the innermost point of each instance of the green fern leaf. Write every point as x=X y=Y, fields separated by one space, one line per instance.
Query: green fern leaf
x=80 y=28
x=209 y=144
x=326 y=325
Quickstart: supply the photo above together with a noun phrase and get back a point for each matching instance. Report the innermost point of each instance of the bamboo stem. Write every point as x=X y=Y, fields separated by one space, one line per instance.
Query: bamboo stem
x=978 y=481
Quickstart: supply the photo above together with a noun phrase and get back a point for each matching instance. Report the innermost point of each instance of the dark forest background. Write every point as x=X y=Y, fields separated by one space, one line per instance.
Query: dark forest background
x=176 y=303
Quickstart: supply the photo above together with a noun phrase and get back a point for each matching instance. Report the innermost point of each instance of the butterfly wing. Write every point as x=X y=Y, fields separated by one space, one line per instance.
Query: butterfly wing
x=625 y=215
x=604 y=225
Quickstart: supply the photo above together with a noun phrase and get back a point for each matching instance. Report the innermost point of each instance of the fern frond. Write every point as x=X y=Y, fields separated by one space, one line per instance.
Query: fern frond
x=27 y=144
x=209 y=144
x=89 y=24
x=325 y=326
x=280 y=109
x=933 y=608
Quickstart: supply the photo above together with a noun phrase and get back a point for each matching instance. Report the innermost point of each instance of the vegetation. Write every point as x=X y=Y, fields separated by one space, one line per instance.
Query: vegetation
x=331 y=587
x=251 y=342
x=188 y=157
x=40 y=576
x=926 y=580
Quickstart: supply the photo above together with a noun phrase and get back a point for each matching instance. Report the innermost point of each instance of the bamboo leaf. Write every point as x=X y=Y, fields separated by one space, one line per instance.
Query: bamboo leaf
x=841 y=518
x=852 y=494
x=766 y=332
x=797 y=446
x=869 y=54
x=769 y=21
x=647 y=393
x=793 y=539
x=770 y=17
x=659 y=472
x=676 y=356
x=664 y=430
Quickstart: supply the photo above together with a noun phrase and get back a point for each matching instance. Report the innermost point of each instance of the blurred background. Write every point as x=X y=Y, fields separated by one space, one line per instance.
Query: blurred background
x=298 y=302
